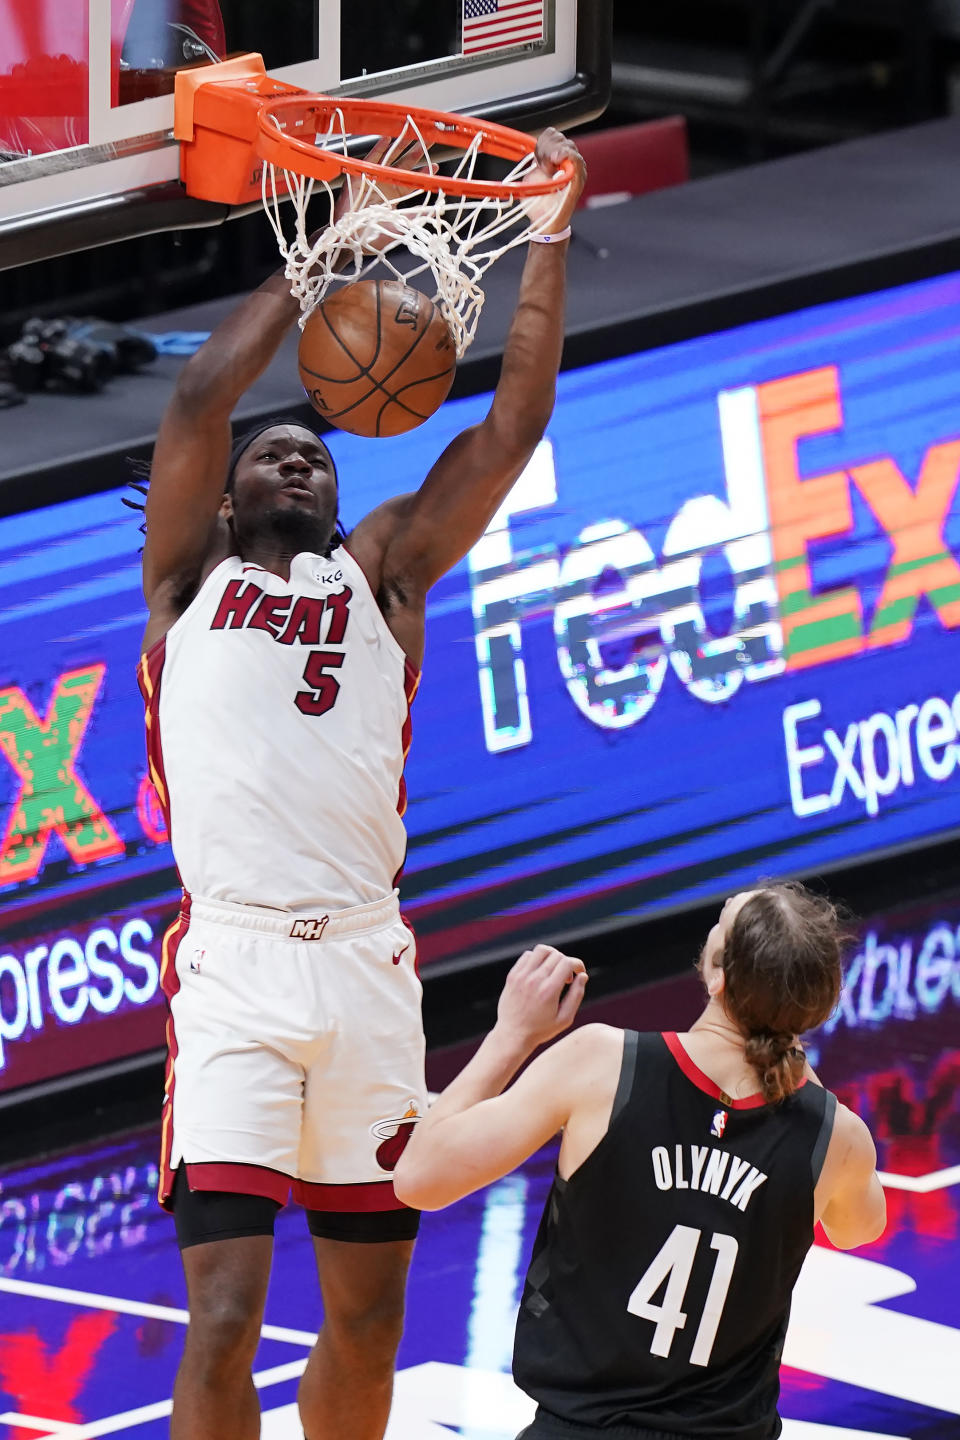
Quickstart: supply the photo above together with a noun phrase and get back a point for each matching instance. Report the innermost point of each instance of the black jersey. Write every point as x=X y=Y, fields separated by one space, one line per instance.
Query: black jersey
x=659 y=1291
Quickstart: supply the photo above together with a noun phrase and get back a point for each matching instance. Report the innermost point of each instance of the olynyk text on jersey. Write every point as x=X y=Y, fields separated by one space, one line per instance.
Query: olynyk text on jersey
x=707 y=1169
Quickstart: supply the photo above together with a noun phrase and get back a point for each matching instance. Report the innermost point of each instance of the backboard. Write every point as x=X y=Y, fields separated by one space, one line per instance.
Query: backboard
x=86 y=90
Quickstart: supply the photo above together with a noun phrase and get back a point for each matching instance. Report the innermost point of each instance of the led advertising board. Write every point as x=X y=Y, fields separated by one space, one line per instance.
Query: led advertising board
x=711 y=634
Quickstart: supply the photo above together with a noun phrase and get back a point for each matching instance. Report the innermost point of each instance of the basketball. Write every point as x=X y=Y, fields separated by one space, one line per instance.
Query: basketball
x=376 y=358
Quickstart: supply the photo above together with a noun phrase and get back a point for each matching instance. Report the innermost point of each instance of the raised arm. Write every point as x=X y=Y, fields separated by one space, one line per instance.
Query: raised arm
x=193 y=445
x=191 y=456
x=473 y=1134
x=406 y=546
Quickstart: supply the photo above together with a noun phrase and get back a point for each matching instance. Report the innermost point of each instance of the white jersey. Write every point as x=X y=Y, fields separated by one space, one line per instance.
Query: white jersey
x=277 y=728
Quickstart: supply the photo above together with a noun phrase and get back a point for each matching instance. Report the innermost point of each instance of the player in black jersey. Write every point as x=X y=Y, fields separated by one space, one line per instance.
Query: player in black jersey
x=691 y=1172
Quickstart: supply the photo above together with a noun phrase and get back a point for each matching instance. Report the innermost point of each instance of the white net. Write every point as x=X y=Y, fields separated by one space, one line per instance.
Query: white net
x=453 y=236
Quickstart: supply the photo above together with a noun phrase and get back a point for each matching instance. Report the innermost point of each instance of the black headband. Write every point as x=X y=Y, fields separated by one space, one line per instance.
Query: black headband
x=243 y=442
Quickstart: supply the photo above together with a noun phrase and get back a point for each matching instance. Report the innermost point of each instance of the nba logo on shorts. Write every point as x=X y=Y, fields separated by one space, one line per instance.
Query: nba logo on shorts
x=719 y=1123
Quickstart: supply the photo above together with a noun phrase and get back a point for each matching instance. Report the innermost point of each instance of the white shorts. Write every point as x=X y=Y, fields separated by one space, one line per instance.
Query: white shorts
x=296 y=1052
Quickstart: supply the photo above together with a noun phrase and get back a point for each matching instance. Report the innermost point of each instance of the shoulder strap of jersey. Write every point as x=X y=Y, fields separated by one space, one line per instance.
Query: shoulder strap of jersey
x=628 y=1071
x=822 y=1142
x=643 y=1054
x=815 y=1109
x=638 y=1050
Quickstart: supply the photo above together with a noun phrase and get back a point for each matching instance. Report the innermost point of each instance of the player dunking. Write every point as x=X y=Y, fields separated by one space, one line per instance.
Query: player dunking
x=691 y=1172
x=278 y=668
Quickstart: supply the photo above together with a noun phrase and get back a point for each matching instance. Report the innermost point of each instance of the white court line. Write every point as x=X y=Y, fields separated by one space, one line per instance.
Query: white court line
x=138 y=1307
x=921 y=1184
x=812 y=1430
x=278 y=1373
x=34 y=1422
x=128 y=1419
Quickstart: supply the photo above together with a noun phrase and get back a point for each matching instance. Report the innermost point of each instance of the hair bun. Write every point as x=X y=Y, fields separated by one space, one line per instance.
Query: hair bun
x=778 y=1061
x=777 y=1042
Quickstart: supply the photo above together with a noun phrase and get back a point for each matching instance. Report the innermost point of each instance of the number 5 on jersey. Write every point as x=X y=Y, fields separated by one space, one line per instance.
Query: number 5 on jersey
x=324 y=688
x=673 y=1264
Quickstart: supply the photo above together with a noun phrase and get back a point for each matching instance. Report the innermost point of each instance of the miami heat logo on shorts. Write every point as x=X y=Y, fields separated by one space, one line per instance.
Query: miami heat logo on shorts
x=394 y=1135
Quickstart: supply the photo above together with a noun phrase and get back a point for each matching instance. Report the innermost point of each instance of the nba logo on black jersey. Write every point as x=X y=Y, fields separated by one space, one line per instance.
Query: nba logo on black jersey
x=719 y=1123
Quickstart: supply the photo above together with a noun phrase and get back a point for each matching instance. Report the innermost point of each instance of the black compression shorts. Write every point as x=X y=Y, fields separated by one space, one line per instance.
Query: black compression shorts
x=203 y=1216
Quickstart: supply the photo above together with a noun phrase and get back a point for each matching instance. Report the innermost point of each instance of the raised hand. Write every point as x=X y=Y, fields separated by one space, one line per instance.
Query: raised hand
x=358 y=194
x=403 y=152
x=541 y=996
x=553 y=148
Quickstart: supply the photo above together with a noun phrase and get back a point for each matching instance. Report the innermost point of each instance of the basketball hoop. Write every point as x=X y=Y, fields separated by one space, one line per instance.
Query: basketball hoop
x=454 y=226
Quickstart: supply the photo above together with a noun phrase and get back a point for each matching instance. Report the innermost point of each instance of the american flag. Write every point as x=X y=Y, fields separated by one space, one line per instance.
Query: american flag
x=497 y=24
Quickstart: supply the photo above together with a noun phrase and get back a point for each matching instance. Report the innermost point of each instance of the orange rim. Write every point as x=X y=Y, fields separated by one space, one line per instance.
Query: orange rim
x=311 y=114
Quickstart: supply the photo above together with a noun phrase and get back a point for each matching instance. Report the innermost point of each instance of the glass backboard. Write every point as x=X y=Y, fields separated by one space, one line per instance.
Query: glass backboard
x=86 y=89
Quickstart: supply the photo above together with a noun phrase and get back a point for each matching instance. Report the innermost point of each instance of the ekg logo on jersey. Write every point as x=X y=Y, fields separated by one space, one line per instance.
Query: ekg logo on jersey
x=765 y=527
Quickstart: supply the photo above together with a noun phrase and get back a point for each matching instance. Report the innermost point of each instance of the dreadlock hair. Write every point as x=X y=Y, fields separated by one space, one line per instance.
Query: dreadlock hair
x=140 y=481
x=140 y=472
x=782 y=964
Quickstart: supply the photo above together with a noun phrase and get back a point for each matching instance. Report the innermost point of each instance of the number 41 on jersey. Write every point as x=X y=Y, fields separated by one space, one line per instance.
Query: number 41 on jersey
x=674 y=1264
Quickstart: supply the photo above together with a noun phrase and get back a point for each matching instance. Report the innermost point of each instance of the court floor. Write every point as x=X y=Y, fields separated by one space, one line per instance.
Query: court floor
x=91 y=1295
